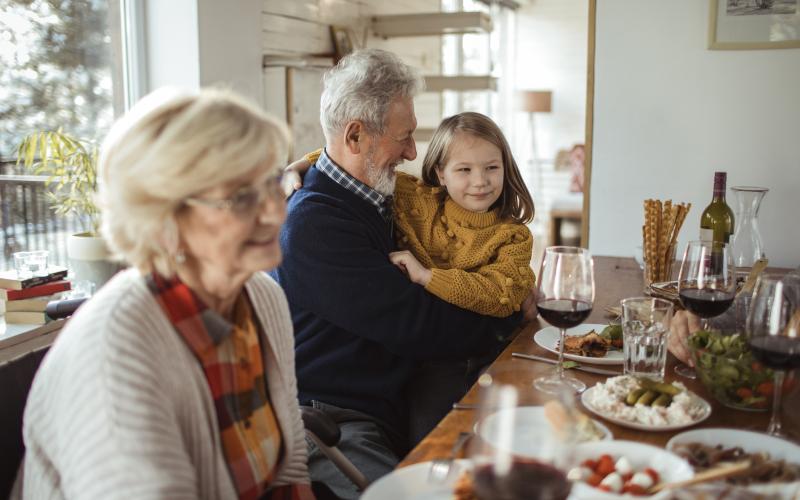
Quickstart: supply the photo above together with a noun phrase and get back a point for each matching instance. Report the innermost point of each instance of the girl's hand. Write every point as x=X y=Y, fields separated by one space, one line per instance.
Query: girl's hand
x=293 y=176
x=409 y=264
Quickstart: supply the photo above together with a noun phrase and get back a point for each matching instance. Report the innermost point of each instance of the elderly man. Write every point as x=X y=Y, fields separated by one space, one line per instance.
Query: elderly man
x=362 y=328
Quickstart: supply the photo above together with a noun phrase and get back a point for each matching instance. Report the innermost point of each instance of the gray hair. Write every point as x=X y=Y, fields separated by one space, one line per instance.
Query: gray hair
x=173 y=144
x=361 y=87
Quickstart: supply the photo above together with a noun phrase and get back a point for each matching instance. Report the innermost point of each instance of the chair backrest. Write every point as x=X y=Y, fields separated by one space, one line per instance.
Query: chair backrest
x=16 y=378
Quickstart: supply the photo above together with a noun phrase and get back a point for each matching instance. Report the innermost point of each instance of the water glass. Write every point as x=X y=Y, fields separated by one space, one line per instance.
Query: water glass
x=645 y=326
x=28 y=264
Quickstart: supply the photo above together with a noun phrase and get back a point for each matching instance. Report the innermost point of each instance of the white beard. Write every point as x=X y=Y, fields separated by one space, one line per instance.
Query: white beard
x=381 y=179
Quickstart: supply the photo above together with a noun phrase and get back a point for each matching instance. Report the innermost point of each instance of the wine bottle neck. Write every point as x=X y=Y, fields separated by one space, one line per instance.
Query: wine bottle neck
x=719 y=186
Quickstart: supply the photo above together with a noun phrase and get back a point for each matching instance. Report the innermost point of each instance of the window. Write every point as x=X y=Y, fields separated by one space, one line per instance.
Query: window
x=59 y=68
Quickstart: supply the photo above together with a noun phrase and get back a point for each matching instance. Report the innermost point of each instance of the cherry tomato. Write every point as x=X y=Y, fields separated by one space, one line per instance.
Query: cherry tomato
x=744 y=393
x=589 y=463
x=765 y=388
x=594 y=480
x=605 y=465
x=653 y=474
x=604 y=487
x=634 y=489
x=756 y=366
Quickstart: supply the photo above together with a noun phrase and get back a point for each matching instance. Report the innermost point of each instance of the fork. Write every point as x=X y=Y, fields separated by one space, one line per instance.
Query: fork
x=441 y=467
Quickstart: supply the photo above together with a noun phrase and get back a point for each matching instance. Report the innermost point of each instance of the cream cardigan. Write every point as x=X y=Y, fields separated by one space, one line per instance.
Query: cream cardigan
x=120 y=407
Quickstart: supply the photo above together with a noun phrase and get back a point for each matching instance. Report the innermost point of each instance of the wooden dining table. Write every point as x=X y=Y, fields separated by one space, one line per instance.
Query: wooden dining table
x=615 y=278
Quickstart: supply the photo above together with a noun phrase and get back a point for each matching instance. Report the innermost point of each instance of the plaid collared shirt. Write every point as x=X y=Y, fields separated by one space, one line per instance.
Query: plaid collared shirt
x=347 y=181
x=231 y=358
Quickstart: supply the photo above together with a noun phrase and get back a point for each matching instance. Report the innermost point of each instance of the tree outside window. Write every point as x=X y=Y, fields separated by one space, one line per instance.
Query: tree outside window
x=57 y=70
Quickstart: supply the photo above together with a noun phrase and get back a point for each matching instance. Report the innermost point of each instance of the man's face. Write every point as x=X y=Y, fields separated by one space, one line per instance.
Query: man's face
x=385 y=152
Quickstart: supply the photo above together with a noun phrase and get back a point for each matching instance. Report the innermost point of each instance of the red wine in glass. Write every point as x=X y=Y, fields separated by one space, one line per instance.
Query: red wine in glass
x=526 y=480
x=564 y=313
x=778 y=353
x=706 y=302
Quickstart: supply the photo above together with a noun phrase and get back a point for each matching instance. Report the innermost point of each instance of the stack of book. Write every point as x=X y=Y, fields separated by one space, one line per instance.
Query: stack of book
x=25 y=299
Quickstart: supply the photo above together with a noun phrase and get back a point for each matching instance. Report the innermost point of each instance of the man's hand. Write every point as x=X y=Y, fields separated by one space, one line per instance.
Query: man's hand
x=293 y=176
x=529 y=311
x=683 y=324
x=409 y=264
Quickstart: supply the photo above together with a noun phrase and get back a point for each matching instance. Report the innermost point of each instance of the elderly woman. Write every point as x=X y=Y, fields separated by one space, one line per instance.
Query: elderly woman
x=177 y=379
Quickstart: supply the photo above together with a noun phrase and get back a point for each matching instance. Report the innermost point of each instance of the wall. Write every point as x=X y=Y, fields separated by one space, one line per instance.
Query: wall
x=668 y=112
x=297 y=29
x=190 y=43
x=551 y=55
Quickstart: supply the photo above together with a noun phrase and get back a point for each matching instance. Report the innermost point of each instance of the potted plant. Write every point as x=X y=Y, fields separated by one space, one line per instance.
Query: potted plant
x=70 y=165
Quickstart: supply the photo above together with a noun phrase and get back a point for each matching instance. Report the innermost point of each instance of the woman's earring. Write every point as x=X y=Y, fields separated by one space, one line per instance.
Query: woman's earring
x=180 y=256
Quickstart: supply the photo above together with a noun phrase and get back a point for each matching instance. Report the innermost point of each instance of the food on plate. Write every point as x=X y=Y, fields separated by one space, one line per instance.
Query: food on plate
x=613 y=333
x=565 y=421
x=727 y=368
x=610 y=399
x=762 y=468
x=652 y=393
x=526 y=478
x=464 y=488
x=615 y=476
x=591 y=345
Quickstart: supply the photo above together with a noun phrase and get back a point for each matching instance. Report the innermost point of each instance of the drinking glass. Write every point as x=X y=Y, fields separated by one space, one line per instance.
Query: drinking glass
x=28 y=264
x=773 y=332
x=504 y=469
x=564 y=299
x=645 y=327
x=706 y=284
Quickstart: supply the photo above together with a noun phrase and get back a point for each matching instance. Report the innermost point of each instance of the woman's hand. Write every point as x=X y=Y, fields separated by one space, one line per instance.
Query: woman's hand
x=683 y=324
x=409 y=264
x=293 y=176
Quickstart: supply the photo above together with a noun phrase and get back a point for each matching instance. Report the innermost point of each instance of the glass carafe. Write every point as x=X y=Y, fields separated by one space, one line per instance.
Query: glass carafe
x=747 y=244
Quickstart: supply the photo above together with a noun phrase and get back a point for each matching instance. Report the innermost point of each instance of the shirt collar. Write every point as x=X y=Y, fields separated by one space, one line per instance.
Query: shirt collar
x=201 y=327
x=328 y=167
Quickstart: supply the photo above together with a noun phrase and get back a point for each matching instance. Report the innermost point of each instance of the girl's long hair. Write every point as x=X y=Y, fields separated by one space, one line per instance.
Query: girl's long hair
x=515 y=202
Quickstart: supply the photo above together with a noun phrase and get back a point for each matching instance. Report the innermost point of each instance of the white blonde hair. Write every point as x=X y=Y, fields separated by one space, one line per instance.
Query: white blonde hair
x=172 y=144
x=361 y=87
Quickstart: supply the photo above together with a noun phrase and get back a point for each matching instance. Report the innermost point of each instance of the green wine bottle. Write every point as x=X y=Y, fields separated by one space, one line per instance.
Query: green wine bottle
x=716 y=221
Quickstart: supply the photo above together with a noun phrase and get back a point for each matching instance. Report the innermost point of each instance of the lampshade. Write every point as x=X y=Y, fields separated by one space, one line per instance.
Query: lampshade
x=535 y=101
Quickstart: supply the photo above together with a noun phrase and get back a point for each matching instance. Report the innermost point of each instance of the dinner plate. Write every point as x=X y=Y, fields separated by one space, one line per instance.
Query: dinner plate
x=670 y=467
x=411 y=483
x=549 y=337
x=531 y=429
x=705 y=412
x=750 y=442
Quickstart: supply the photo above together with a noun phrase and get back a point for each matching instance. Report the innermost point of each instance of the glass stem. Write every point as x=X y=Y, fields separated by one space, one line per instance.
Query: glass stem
x=774 y=427
x=560 y=365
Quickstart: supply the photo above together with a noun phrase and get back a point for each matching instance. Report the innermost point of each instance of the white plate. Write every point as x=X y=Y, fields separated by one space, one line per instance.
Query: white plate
x=669 y=466
x=705 y=412
x=411 y=483
x=751 y=442
x=548 y=338
x=531 y=428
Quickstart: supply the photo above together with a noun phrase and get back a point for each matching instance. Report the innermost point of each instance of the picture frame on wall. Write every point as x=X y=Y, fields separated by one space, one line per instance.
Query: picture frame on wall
x=754 y=24
x=342 y=42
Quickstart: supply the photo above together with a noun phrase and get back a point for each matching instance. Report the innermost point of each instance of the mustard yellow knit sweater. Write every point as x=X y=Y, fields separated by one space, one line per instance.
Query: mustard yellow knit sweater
x=478 y=261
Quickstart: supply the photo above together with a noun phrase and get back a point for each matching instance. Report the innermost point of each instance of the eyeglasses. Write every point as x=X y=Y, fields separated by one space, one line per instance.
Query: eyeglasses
x=246 y=200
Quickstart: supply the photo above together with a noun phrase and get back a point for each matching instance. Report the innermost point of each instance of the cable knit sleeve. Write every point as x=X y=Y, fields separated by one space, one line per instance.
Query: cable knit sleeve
x=496 y=288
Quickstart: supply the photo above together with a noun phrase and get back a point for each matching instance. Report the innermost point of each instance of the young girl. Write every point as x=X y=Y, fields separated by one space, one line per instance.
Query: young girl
x=462 y=227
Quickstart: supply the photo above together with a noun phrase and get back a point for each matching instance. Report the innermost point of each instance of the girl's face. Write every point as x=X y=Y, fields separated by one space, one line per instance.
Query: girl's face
x=473 y=174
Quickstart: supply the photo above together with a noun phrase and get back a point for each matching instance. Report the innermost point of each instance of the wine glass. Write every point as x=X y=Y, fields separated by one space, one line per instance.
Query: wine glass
x=773 y=332
x=706 y=284
x=515 y=456
x=564 y=299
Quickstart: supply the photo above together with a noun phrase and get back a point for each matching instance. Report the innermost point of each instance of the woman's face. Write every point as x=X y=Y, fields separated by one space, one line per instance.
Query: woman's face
x=473 y=174
x=232 y=230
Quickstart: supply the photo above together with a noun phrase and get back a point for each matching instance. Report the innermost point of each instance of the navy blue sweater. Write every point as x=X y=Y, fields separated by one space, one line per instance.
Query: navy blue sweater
x=360 y=324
